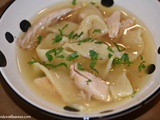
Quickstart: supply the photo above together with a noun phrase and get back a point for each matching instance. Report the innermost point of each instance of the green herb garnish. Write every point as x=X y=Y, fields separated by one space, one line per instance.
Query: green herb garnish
x=88 y=81
x=39 y=38
x=94 y=57
x=74 y=2
x=109 y=56
x=123 y=60
x=142 y=65
x=56 y=66
x=97 y=31
x=33 y=61
x=79 y=66
x=85 y=40
x=57 y=39
x=65 y=26
x=49 y=56
x=110 y=49
x=72 y=56
x=70 y=34
x=76 y=36
x=117 y=46
x=56 y=53
x=98 y=42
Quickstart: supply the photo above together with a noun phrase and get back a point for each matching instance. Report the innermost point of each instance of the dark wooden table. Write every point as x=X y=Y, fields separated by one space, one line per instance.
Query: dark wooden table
x=11 y=104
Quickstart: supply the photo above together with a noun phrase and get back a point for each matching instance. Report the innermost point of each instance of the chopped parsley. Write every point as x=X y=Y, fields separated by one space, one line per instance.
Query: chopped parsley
x=85 y=40
x=72 y=56
x=94 y=57
x=109 y=56
x=110 y=49
x=117 y=46
x=117 y=61
x=49 y=56
x=142 y=65
x=79 y=66
x=70 y=35
x=60 y=32
x=33 y=61
x=65 y=26
x=56 y=66
x=88 y=81
x=56 y=52
x=39 y=38
x=57 y=39
x=123 y=60
x=98 y=42
x=97 y=31
x=74 y=2
x=76 y=36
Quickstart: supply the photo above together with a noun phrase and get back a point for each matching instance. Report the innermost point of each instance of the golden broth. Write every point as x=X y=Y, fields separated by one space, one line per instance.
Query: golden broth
x=138 y=80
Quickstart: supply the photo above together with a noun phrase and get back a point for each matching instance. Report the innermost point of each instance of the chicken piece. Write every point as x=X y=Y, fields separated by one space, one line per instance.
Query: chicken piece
x=114 y=24
x=28 y=41
x=93 y=86
x=126 y=24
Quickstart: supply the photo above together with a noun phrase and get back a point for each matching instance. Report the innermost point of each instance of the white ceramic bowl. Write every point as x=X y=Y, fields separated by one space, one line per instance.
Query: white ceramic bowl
x=146 y=10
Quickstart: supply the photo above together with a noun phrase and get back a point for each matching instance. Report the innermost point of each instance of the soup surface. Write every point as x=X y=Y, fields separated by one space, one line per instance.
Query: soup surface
x=85 y=56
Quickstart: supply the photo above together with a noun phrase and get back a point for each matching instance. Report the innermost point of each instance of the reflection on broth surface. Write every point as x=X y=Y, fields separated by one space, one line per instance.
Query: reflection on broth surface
x=85 y=56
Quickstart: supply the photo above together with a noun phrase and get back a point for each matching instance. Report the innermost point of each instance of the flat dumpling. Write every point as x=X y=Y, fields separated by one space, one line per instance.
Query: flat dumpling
x=91 y=23
x=44 y=84
x=67 y=25
x=89 y=10
x=42 y=56
x=134 y=44
x=47 y=42
x=61 y=81
x=120 y=85
x=84 y=49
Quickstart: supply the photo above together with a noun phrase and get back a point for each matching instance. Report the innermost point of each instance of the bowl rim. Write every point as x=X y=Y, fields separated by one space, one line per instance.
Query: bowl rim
x=115 y=115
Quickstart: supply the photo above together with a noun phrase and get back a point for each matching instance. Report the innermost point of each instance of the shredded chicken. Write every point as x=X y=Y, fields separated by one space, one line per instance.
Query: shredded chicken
x=126 y=24
x=114 y=24
x=93 y=86
x=28 y=41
